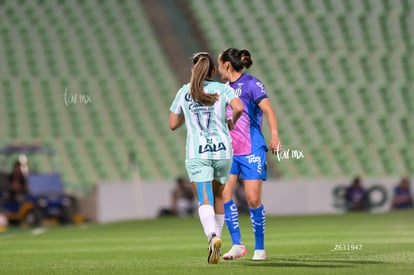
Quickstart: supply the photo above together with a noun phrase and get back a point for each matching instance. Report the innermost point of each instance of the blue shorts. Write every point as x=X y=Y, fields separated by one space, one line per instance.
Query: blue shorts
x=250 y=167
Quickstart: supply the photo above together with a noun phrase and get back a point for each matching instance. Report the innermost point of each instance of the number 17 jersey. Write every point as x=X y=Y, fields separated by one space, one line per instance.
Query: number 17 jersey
x=208 y=135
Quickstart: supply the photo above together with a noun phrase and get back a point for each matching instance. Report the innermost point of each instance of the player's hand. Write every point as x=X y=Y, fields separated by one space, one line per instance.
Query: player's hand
x=275 y=145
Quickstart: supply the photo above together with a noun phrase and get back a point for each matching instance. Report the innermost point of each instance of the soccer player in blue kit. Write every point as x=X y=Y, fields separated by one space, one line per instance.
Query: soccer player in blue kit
x=201 y=106
x=249 y=160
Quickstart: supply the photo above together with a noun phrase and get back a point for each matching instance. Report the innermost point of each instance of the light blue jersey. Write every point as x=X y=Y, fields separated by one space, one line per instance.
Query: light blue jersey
x=208 y=135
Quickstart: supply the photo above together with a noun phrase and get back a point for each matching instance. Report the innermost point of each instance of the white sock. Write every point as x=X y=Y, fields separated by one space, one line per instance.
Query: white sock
x=206 y=215
x=219 y=224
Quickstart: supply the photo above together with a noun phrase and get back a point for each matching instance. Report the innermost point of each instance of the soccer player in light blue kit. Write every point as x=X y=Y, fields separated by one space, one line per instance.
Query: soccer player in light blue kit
x=202 y=105
x=249 y=161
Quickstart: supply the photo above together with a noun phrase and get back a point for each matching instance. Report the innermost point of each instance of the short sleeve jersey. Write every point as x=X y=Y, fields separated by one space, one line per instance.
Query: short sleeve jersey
x=247 y=134
x=208 y=135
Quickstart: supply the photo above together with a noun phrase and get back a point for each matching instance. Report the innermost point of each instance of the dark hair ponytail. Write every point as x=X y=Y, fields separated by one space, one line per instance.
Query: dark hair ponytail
x=202 y=68
x=239 y=59
x=245 y=58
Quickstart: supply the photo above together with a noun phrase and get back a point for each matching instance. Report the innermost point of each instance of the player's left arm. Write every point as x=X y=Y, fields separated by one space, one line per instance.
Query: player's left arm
x=176 y=120
x=266 y=106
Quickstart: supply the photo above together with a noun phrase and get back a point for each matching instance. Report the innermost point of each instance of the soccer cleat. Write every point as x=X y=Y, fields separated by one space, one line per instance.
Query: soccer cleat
x=214 y=251
x=235 y=252
x=259 y=255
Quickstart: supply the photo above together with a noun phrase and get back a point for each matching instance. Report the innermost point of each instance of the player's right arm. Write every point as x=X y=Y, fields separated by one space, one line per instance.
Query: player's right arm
x=270 y=113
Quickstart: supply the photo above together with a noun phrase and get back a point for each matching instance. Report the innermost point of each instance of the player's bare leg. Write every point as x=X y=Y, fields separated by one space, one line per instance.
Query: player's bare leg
x=253 y=190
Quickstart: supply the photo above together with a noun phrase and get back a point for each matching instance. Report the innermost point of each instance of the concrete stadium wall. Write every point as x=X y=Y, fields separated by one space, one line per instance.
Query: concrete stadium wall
x=117 y=201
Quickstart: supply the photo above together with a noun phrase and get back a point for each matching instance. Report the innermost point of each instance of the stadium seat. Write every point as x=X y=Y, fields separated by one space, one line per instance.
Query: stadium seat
x=338 y=73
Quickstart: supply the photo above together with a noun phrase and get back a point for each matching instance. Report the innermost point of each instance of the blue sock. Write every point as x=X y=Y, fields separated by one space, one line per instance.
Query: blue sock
x=231 y=216
x=258 y=219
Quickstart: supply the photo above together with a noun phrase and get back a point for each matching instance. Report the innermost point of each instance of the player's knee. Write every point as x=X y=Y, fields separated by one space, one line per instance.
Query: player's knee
x=254 y=202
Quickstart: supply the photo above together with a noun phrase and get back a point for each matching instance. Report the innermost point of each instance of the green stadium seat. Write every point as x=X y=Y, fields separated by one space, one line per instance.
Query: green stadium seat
x=387 y=160
x=407 y=129
x=346 y=159
x=338 y=73
x=324 y=131
x=408 y=157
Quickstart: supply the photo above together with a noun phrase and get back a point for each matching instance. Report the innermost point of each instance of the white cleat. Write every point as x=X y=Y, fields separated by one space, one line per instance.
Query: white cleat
x=259 y=255
x=214 y=250
x=236 y=251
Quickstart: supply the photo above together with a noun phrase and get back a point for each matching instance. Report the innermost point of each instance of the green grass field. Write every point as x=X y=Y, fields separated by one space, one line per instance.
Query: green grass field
x=295 y=245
